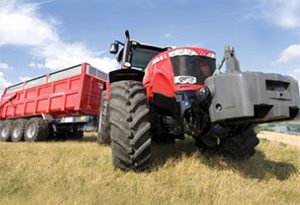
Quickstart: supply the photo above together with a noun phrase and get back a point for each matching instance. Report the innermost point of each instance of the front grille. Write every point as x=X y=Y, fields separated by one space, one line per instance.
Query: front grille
x=194 y=66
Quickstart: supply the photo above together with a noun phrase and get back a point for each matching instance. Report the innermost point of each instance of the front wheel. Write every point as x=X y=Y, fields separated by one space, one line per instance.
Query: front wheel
x=240 y=144
x=129 y=125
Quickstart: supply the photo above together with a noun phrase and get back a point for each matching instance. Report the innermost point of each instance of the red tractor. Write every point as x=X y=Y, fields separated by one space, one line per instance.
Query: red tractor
x=164 y=93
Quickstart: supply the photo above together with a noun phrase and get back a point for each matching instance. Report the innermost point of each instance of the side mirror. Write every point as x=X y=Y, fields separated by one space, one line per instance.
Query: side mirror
x=114 y=48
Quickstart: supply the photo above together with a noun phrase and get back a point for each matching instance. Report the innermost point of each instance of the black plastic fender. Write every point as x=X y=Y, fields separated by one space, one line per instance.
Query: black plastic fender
x=126 y=74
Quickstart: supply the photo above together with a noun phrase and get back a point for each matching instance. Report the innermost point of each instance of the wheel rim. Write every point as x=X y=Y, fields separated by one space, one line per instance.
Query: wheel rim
x=31 y=130
x=4 y=131
x=16 y=131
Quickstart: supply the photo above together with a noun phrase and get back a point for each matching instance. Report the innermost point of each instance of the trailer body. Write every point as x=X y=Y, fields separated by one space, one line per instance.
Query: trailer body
x=68 y=92
x=68 y=99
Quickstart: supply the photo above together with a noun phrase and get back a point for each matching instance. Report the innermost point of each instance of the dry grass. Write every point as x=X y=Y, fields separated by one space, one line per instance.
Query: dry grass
x=292 y=140
x=81 y=173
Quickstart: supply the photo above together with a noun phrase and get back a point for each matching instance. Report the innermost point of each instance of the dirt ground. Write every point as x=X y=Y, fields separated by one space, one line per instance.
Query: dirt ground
x=292 y=140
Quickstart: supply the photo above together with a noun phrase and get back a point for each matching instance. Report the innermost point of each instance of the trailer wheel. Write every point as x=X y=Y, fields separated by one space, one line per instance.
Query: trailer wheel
x=103 y=128
x=17 y=132
x=36 y=129
x=78 y=135
x=5 y=130
x=75 y=134
x=129 y=125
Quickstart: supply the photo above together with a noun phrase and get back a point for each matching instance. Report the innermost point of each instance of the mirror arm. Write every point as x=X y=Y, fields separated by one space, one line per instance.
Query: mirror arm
x=119 y=42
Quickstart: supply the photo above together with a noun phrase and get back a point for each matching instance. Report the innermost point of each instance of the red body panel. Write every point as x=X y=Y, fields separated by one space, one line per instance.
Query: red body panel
x=159 y=75
x=75 y=95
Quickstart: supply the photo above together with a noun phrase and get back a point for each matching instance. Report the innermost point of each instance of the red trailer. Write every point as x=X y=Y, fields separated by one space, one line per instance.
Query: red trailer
x=56 y=104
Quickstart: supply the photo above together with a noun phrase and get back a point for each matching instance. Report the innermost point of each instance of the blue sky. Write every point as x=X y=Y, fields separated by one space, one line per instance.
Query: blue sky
x=37 y=37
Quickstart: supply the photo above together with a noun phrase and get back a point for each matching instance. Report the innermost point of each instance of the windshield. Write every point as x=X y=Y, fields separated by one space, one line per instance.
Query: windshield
x=193 y=66
x=141 y=57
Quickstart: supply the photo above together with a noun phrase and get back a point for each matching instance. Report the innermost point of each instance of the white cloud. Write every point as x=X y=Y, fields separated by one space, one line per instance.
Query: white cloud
x=24 y=78
x=296 y=74
x=5 y=66
x=167 y=35
x=290 y=54
x=285 y=13
x=3 y=83
x=36 y=65
x=61 y=55
x=21 y=25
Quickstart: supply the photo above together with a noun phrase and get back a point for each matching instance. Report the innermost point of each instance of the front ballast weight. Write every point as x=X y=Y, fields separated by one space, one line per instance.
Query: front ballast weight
x=252 y=97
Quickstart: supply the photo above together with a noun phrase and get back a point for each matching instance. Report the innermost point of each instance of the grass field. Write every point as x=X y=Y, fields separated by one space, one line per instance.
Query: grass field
x=81 y=173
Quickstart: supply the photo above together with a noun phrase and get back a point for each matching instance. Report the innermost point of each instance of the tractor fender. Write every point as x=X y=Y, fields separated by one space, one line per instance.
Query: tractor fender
x=123 y=74
x=126 y=74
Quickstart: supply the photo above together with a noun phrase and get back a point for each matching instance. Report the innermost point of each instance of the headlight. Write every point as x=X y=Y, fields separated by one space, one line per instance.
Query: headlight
x=182 y=52
x=211 y=55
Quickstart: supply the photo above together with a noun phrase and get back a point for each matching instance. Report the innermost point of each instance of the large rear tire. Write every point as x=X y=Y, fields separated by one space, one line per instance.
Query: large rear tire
x=17 y=132
x=103 y=128
x=5 y=131
x=36 y=129
x=129 y=125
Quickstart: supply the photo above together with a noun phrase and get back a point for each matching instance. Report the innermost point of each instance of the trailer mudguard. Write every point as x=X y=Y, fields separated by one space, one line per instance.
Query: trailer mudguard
x=253 y=96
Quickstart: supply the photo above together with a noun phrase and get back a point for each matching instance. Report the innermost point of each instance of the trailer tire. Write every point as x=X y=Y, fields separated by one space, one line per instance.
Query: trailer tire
x=36 y=129
x=129 y=125
x=78 y=135
x=103 y=128
x=5 y=131
x=17 y=132
x=75 y=135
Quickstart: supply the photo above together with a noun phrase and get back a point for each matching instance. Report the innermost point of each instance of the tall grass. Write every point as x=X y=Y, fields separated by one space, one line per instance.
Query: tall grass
x=81 y=173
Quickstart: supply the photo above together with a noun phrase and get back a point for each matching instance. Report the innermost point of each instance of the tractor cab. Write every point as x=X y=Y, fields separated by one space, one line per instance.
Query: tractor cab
x=135 y=55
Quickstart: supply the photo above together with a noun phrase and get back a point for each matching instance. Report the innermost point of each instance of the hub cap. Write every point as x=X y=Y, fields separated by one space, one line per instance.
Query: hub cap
x=31 y=130
x=4 y=131
x=16 y=131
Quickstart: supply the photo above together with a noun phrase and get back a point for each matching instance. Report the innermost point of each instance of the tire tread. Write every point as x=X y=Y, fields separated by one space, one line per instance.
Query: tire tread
x=130 y=126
